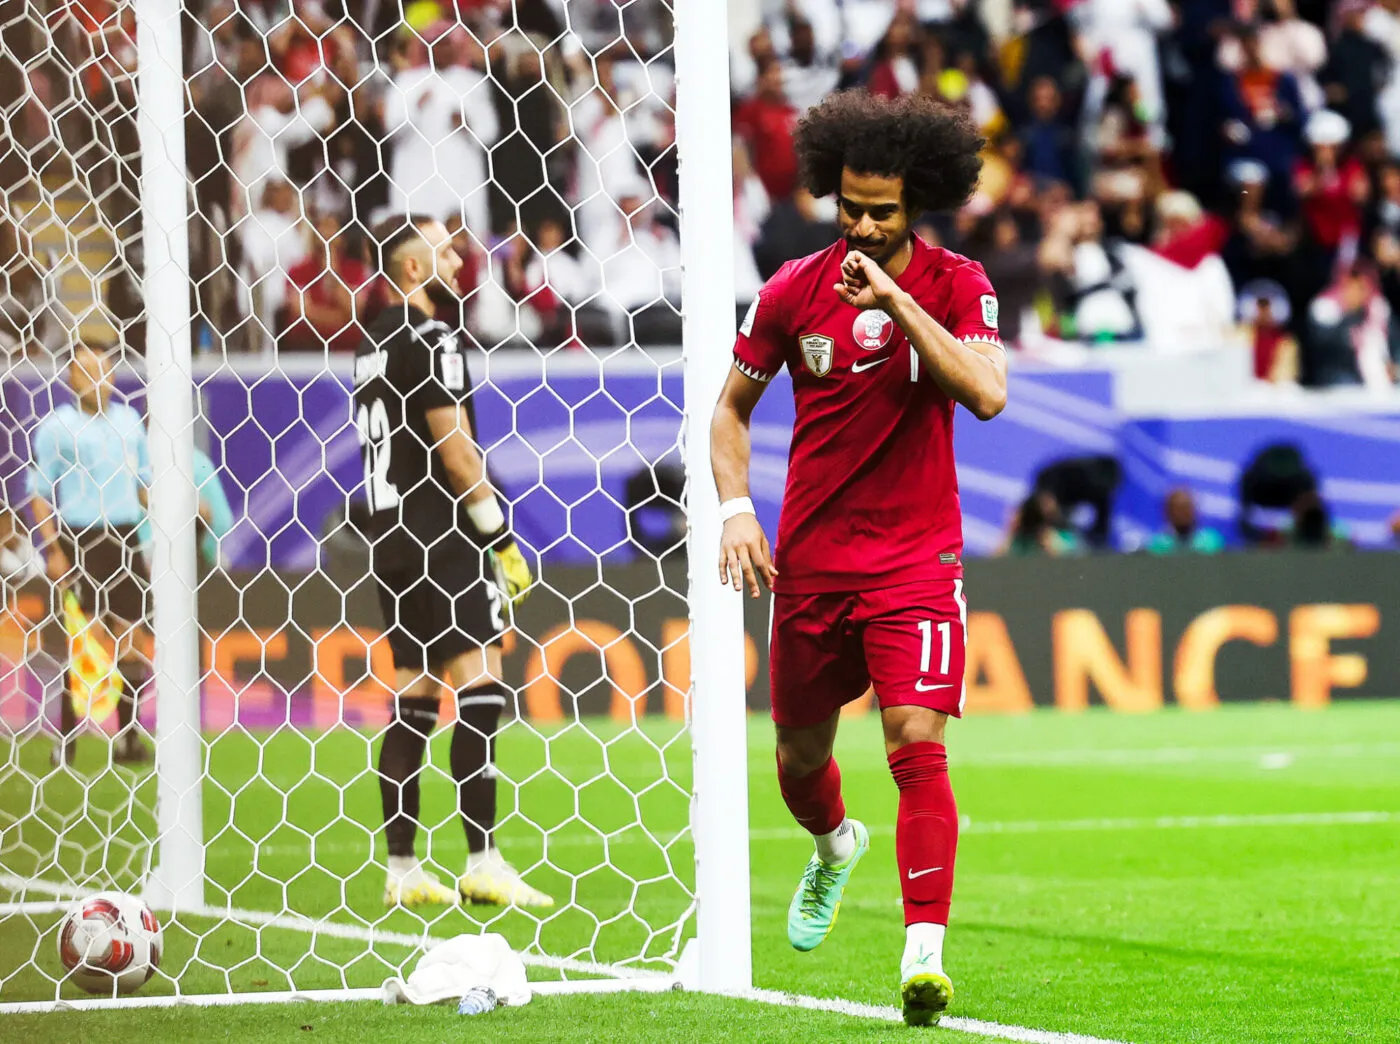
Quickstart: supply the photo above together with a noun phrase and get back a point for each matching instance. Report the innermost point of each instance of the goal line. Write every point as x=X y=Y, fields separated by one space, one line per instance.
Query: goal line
x=616 y=978
x=624 y=980
x=652 y=984
x=621 y=976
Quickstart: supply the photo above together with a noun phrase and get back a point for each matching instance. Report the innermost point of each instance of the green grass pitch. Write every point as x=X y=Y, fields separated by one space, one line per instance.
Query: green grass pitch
x=1162 y=878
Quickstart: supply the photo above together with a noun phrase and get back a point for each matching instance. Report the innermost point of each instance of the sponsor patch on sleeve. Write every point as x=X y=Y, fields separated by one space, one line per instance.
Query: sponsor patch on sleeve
x=746 y=327
x=990 y=310
x=454 y=371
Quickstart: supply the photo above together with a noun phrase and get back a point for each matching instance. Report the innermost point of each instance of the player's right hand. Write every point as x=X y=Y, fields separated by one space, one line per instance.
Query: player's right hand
x=744 y=555
x=58 y=566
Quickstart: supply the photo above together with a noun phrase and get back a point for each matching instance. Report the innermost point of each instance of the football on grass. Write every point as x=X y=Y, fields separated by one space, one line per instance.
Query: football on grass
x=110 y=943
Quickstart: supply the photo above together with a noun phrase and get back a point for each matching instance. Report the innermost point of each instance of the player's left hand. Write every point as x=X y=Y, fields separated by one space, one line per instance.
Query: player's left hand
x=512 y=572
x=864 y=284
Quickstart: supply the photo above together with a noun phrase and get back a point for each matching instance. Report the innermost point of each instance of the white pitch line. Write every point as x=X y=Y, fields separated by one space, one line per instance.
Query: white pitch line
x=37 y=906
x=977 y=1027
x=968 y=826
x=1132 y=757
x=199 y=1000
x=1126 y=823
x=15 y=883
x=331 y=929
x=1263 y=819
x=369 y=993
x=1168 y=755
x=636 y=978
x=1022 y=1034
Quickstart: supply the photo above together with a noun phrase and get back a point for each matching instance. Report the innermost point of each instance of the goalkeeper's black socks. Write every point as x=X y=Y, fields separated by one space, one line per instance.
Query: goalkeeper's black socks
x=67 y=711
x=134 y=677
x=129 y=747
x=400 y=765
x=65 y=751
x=473 y=760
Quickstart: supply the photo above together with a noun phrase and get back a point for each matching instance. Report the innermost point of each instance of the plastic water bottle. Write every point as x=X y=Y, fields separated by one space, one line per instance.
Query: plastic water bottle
x=478 y=1001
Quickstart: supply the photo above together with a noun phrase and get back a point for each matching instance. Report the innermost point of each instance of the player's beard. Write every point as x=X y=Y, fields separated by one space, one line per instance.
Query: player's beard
x=444 y=297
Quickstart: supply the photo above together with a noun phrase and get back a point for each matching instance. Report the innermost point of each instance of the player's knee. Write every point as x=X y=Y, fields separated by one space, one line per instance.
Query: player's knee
x=906 y=725
x=797 y=759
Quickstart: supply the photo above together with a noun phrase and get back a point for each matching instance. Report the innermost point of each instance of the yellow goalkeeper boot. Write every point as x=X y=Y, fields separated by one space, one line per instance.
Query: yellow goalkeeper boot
x=490 y=879
x=412 y=886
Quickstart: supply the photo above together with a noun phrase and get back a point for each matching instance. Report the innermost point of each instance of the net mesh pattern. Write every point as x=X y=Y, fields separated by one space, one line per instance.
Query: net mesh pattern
x=542 y=136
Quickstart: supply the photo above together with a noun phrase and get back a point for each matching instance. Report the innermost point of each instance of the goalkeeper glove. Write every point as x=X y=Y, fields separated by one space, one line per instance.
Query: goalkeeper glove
x=512 y=571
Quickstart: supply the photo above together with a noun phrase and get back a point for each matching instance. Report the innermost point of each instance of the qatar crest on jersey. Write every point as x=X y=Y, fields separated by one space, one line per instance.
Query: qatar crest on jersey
x=872 y=329
x=817 y=353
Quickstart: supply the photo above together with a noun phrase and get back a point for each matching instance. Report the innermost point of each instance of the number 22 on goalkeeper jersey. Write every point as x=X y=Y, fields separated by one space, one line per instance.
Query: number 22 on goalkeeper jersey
x=406 y=365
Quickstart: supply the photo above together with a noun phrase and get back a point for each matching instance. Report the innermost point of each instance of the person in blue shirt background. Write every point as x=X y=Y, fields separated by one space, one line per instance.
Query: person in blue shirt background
x=215 y=514
x=1183 y=533
x=87 y=484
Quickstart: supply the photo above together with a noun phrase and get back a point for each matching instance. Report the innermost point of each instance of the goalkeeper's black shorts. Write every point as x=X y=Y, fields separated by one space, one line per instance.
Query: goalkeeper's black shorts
x=438 y=603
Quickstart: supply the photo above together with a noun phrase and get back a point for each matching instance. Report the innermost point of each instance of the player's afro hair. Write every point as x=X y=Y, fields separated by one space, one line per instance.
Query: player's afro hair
x=932 y=146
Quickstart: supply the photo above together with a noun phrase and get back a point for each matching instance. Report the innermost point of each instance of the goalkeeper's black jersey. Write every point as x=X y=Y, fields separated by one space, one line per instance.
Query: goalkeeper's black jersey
x=406 y=365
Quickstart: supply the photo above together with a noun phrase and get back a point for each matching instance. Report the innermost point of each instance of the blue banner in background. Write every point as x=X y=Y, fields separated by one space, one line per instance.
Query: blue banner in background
x=564 y=436
x=562 y=445
x=1355 y=457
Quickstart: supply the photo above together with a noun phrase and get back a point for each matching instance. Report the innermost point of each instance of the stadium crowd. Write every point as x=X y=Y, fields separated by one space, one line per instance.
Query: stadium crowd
x=1237 y=153
x=1242 y=153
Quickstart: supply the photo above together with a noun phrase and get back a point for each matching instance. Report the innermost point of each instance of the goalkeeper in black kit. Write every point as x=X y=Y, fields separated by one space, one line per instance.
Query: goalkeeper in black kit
x=444 y=562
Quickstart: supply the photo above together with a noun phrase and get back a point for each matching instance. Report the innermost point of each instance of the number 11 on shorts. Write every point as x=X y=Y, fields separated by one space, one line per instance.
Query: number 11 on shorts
x=926 y=654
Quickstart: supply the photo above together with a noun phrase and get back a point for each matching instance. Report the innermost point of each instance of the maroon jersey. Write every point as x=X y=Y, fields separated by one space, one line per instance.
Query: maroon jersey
x=872 y=495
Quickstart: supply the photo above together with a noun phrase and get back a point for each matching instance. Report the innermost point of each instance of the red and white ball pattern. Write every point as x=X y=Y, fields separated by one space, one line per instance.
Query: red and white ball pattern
x=110 y=943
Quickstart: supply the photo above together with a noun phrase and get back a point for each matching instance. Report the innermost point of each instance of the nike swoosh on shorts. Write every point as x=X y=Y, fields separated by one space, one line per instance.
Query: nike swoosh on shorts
x=919 y=686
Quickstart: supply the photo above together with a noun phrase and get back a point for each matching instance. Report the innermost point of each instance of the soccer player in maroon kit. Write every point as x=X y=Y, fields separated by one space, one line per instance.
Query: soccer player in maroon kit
x=884 y=335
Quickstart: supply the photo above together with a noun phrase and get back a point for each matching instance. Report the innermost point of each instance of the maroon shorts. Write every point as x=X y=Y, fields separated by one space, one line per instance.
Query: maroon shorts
x=908 y=641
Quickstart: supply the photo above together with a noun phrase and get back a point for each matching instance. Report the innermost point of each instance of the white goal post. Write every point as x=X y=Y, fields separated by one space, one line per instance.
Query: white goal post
x=718 y=730
x=177 y=878
x=233 y=853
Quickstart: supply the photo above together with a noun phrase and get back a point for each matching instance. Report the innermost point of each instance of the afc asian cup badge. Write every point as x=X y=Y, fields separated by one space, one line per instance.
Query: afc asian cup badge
x=872 y=329
x=817 y=353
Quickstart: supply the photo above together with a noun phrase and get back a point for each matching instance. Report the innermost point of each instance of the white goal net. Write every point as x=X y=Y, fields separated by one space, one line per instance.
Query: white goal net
x=247 y=809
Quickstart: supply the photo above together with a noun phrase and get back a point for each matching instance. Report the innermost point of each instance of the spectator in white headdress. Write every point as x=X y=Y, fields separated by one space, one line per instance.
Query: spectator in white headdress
x=440 y=114
x=1333 y=190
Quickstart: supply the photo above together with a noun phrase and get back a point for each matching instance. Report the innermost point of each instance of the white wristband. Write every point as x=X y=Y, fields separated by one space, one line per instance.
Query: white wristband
x=736 y=506
x=487 y=516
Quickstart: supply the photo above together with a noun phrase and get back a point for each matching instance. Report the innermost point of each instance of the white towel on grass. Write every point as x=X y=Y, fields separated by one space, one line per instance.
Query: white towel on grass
x=454 y=966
